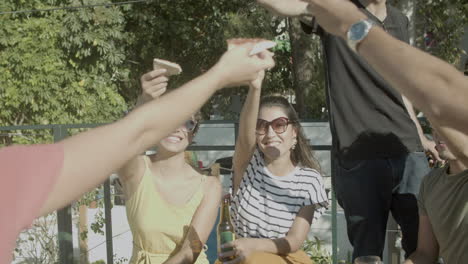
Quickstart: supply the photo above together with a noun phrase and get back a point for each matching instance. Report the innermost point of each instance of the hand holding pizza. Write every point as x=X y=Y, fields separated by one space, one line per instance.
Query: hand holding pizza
x=239 y=66
x=153 y=84
x=171 y=67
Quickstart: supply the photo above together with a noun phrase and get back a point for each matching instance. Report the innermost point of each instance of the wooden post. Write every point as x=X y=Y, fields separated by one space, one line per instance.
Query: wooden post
x=216 y=169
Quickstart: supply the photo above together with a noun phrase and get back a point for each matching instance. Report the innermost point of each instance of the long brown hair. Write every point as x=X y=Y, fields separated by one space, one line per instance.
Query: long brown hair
x=197 y=117
x=302 y=153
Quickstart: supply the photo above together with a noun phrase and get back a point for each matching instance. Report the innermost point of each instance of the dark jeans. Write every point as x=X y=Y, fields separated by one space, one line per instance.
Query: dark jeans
x=368 y=190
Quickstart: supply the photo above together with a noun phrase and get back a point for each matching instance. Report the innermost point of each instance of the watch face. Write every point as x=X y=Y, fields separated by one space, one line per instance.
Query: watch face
x=357 y=31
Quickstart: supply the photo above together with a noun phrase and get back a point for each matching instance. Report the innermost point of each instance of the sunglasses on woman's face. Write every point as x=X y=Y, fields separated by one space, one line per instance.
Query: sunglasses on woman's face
x=279 y=125
x=188 y=126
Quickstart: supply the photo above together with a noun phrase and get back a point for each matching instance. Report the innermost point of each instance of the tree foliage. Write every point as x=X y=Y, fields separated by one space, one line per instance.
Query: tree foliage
x=194 y=34
x=83 y=65
x=439 y=26
x=61 y=66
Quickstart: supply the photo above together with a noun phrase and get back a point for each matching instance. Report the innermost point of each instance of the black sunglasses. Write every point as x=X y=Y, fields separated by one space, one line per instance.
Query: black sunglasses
x=189 y=125
x=279 y=125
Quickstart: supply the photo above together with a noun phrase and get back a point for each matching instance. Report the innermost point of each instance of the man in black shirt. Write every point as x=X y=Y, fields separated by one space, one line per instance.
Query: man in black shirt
x=378 y=145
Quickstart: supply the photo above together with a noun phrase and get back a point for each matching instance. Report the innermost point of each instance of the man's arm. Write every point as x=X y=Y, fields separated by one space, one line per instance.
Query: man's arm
x=432 y=85
x=427 y=144
x=428 y=247
x=435 y=87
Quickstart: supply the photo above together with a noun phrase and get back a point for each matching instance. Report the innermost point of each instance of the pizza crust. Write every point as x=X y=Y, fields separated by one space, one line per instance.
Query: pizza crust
x=171 y=67
x=260 y=44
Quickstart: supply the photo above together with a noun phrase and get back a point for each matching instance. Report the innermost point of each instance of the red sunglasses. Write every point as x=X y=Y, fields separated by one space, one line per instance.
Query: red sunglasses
x=279 y=125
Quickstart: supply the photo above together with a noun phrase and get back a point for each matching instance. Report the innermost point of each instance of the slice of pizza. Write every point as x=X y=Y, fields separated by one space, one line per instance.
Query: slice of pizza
x=260 y=44
x=171 y=67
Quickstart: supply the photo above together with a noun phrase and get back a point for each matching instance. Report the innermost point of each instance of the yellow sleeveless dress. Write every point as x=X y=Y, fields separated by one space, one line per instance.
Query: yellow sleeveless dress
x=159 y=228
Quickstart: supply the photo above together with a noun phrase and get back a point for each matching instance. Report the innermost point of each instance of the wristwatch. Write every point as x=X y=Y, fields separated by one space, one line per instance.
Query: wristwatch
x=358 y=32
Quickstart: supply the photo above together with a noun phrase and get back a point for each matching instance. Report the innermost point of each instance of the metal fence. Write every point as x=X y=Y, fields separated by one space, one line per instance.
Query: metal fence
x=64 y=216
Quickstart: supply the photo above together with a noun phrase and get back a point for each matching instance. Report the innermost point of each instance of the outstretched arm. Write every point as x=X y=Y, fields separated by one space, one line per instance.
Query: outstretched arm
x=426 y=143
x=90 y=157
x=435 y=87
x=432 y=85
x=246 y=141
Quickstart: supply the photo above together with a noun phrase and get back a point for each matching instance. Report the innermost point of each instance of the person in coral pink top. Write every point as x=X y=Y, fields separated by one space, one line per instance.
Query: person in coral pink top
x=28 y=174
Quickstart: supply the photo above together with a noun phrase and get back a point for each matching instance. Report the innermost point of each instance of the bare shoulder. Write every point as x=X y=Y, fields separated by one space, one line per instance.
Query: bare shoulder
x=213 y=186
x=212 y=181
x=132 y=170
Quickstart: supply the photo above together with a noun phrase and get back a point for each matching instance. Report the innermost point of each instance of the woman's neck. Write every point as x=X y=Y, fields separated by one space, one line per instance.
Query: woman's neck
x=280 y=166
x=170 y=165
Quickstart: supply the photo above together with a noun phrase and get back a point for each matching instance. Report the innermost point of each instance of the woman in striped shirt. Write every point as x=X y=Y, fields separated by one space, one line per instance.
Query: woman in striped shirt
x=277 y=189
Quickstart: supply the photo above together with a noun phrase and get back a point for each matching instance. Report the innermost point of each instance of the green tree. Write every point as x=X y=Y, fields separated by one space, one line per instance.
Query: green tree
x=308 y=71
x=194 y=35
x=438 y=26
x=61 y=66
x=443 y=24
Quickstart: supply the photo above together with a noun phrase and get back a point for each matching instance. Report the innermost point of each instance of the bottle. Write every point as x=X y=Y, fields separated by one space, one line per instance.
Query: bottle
x=430 y=159
x=434 y=164
x=225 y=229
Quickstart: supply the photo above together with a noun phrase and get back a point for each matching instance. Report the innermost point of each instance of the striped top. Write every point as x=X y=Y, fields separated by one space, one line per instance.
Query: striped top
x=266 y=205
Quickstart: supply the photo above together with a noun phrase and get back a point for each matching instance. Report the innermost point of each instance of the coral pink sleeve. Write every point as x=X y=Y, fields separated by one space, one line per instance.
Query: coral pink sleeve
x=27 y=175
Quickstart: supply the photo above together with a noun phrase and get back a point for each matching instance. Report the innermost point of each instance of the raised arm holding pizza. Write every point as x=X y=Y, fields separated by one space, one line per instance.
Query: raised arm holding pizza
x=154 y=83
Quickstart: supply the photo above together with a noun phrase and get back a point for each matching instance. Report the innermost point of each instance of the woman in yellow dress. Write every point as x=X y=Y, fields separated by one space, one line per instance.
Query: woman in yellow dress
x=171 y=207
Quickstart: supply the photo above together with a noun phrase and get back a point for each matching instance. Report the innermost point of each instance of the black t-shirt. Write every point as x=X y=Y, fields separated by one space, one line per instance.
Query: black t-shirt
x=368 y=118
